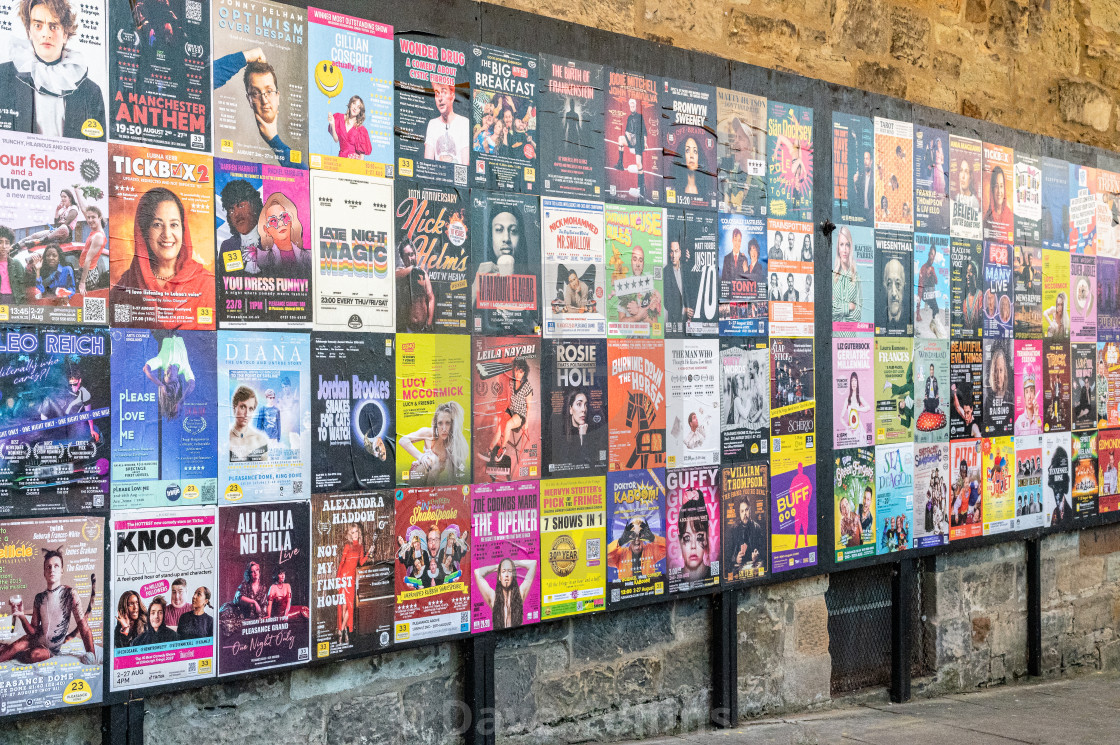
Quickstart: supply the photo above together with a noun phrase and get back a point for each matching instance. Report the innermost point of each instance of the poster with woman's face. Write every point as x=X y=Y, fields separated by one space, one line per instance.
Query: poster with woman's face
x=999 y=392
x=506 y=583
x=692 y=527
x=688 y=111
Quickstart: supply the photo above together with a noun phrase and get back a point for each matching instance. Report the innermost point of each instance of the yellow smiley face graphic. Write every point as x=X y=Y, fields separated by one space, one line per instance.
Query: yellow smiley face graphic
x=328 y=78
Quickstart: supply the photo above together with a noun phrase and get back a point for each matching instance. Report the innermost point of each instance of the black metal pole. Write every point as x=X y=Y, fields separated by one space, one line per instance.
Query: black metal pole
x=479 y=659
x=902 y=593
x=724 y=711
x=1034 y=606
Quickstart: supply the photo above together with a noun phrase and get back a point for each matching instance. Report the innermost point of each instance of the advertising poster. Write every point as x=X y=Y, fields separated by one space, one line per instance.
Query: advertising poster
x=741 y=142
x=1028 y=482
x=691 y=277
x=354 y=545
x=353 y=422
x=999 y=388
x=692 y=402
x=789 y=166
x=506 y=374
x=53 y=192
x=792 y=376
x=351 y=61
x=264 y=392
x=1027 y=289
x=894 y=391
x=432 y=119
x=790 y=285
x=853 y=281
x=573 y=534
x=433 y=410
x=894 y=284
x=1083 y=292
x=354 y=233
x=506 y=262
x=632 y=136
x=688 y=114
x=1083 y=467
x=744 y=414
x=574 y=407
x=159 y=69
x=1055 y=204
x=163 y=577
x=263 y=234
x=260 y=82
x=931 y=377
x=965 y=177
x=1107 y=198
x=894 y=496
x=853 y=171
x=931 y=180
x=433 y=581
x=1083 y=364
x=745 y=493
x=742 y=257
x=506 y=550
x=854 y=514
x=894 y=182
x=1108 y=451
x=264 y=568
x=966 y=288
x=931 y=495
x=573 y=254
x=1028 y=200
x=41 y=559
x=966 y=390
x=162 y=263
x=1057 y=510
x=571 y=102
x=793 y=503
x=999 y=215
x=636 y=400
x=999 y=483
x=692 y=523
x=504 y=138
x=1057 y=396
x=165 y=405
x=56 y=420
x=635 y=249
x=433 y=256
x=1029 y=387
x=1056 y=310
x=1108 y=299
x=1082 y=210
x=744 y=319
x=999 y=315
x=966 y=508
x=1108 y=384
x=931 y=286
x=853 y=392
x=636 y=554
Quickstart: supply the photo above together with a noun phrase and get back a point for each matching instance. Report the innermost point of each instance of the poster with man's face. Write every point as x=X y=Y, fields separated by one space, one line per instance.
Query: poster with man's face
x=894 y=289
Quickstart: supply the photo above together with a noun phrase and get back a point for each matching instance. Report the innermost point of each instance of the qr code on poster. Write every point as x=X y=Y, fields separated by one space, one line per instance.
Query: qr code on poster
x=592 y=549
x=194 y=11
x=297 y=487
x=616 y=595
x=208 y=492
x=93 y=310
x=122 y=313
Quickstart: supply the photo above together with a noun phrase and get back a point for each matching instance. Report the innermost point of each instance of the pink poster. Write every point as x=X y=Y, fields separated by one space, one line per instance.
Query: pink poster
x=853 y=397
x=692 y=527
x=505 y=543
x=1028 y=387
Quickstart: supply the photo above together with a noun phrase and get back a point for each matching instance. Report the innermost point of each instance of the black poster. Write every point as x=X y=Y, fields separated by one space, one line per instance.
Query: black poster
x=688 y=113
x=691 y=275
x=571 y=106
x=505 y=295
x=504 y=136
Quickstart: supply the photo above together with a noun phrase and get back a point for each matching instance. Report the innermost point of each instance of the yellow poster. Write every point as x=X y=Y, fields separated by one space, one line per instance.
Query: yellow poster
x=573 y=535
x=999 y=483
x=1055 y=294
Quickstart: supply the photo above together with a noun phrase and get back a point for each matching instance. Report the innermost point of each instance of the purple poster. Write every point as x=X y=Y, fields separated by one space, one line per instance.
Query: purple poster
x=505 y=543
x=793 y=517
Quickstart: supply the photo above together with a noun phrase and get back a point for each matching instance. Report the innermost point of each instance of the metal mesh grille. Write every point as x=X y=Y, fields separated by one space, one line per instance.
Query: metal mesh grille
x=859 y=628
x=922 y=650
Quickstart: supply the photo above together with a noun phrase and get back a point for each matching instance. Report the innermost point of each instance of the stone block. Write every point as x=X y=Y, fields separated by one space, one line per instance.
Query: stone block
x=367 y=720
x=687 y=667
x=513 y=679
x=1080 y=575
x=976 y=11
x=981 y=629
x=763 y=38
x=807 y=681
x=1103 y=15
x=910 y=32
x=612 y=15
x=791 y=591
x=692 y=619
x=537 y=633
x=56 y=728
x=862 y=25
x=811 y=626
x=606 y=636
x=686 y=21
x=1091 y=614
x=1110 y=656
x=1082 y=102
x=376 y=673
x=443 y=716
x=1100 y=541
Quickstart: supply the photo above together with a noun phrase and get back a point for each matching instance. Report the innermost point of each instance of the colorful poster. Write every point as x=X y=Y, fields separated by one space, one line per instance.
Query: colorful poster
x=692 y=402
x=162 y=263
x=433 y=580
x=570 y=112
x=159 y=68
x=506 y=550
x=894 y=390
x=744 y=412
x=353 y=422
x=965 y=176
x=68 y=283
x=351 y=61
x=742 y=257
x=692 y=523
x=966 y=508
x=931 y=180
x=1083 y=469
x=894 y=263
x=966 y=391
x=931 y=286
x=1082 y=210
x=264 y=581
x=50 y=564
x=1108 y=451
x=1108 y=299
x=999 y=315
x=894 y=182
x=1083 y=364
x=573 y=533
x=1107 y=198
x=573 y=254
x=853 y=171
x=1108 y=384
x=260 y=82
x=506 y=262
x=1027 y=290
x=999 y=388
x=745 y=493
x=1083 y=291
x=165 y=404
x=632 y=136
x=264 y=394
x=636 y=400
x=688 y=113
x=966 y=288
x=354 y=545
x=1056 y=309
x=263 y=233
x=853 y=392
x=691 y=275
x=432 y=119
x=1029 y=387
x=504 y=137
x=433 y=410
x=931 y=379
x=854 y=511
x=163 y=576
x=999 y=215
x=1027 y=196
x=853 y=281
x=1057 y=396
x=1028 y=482
x=744 y=319
x=789 y=168
x=636 y=565
x=999 y=485
x=790 y=285
x=792 y=378
x=1056 y=480
x=433 y=255
x=574 y=407
x=57 y=426
x=741 y=140
x=1055 y=204
x=932 y=474
x=636 y=258
x=894 y=496
x=793 y=503
x=506 y=373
